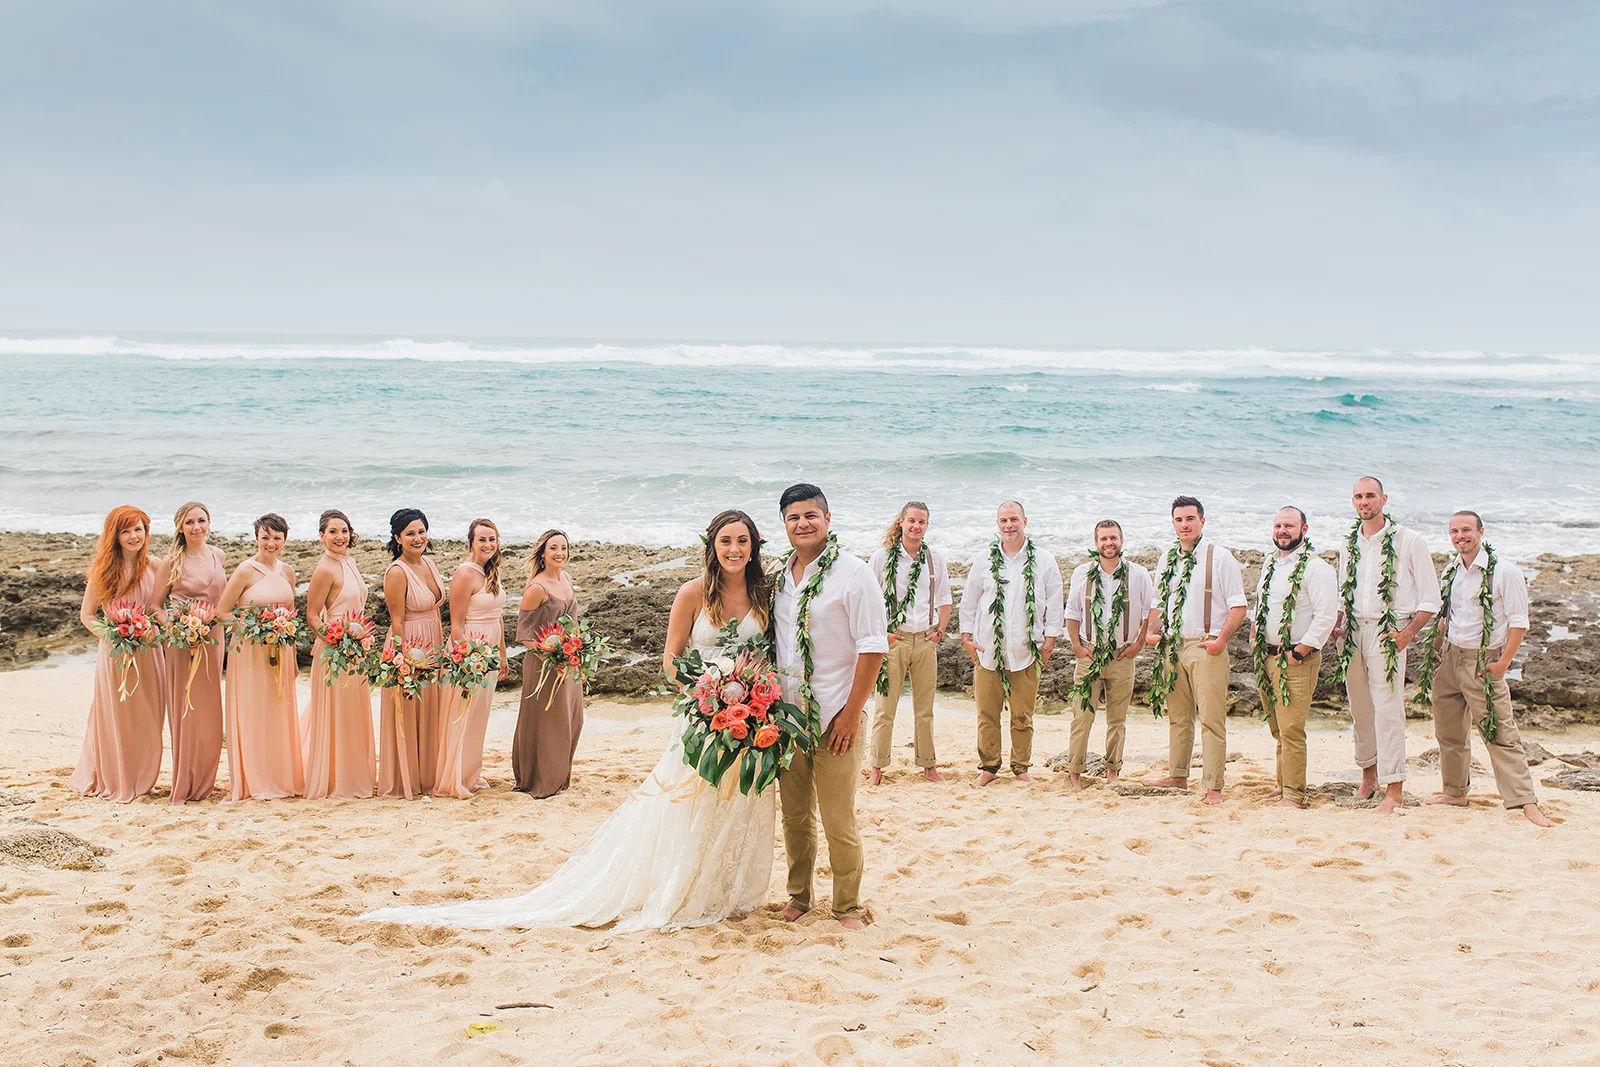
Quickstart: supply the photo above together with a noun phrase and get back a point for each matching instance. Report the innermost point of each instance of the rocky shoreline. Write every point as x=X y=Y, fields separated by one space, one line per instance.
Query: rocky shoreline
x=627 y=590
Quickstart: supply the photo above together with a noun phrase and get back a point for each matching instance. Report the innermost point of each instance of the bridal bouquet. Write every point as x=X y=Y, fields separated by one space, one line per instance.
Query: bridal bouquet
x=735 y=715
x=470 y=665
x=564 y=647
x=277 y=626
x=347 y=645
x=127 y=631
x=409 y=667
x=189 y=628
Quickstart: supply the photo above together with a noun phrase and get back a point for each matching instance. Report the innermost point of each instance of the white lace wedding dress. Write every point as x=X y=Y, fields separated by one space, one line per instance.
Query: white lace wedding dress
x=677 y=853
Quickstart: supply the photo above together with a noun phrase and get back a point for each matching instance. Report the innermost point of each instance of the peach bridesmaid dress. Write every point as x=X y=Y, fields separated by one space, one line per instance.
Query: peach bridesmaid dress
x=262 y=725
x=195 y=723
x=466 y=720
x=408 y=730
x=121 y=754
x=337 y=728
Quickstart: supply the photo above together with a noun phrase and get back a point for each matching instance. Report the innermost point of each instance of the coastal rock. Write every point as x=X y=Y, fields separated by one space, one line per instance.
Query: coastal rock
x=1094 y=765
x=1575 y=779
x=1344 y=795
x=1534 y=752
x=49 y=847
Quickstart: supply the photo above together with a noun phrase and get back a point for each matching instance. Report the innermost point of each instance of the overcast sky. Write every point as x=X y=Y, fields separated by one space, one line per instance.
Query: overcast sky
x=1273 y=172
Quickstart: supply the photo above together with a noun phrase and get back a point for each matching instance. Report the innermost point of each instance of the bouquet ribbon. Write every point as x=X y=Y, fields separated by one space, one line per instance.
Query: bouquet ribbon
x=129 y=662
x=195 y=659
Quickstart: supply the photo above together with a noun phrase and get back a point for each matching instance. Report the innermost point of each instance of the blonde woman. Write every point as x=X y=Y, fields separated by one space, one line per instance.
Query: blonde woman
x=477 y=603
x=196 y=570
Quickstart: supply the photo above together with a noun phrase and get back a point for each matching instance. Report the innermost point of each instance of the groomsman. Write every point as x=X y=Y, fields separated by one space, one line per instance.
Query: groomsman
x=1459 y=699
x=915 y=579
x=1380 y=617
x=1191 y=624
x=1009 y=645
x=1105 y=645
x=1296 y=581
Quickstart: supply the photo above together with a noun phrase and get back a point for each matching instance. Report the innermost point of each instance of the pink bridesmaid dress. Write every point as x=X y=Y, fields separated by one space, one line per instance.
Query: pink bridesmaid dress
x=194 y=708
x=408 y=730
x=262 y=725
x=121 y=754
x=337 y=729
x=467 y=719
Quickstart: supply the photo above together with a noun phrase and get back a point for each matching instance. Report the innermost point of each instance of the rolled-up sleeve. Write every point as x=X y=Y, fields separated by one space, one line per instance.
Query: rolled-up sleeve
x=1424 y=580
x=1231 y=585
x=971 y=593
x=941 y=580
x=1322 y=595
x=869 y=622
x=1075 y=593
x=879 y=563
x=1052 y=597
x=1514 y=596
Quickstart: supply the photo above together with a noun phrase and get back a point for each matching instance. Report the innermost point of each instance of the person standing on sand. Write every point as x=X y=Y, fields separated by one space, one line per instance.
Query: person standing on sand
x=550 y=716
x=832 y=635
x=1200 y=603
x=915 y=579
x=1010 y=620
x=1390 y=592
x=1106 y=625
x=1468 y=681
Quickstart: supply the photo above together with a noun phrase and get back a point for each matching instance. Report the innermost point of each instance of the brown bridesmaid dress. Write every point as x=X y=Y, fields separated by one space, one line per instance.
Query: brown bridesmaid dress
x=337 y=729
x=466 y=720
x=195 y=721
x=121 y=754
x=408 y=746
x=551 y=716
x=263 y=727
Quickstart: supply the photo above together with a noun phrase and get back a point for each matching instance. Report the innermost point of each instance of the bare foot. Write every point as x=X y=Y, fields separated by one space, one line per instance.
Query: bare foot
x=1445 y=798
x=791 y=913
x=850 y=922
x=932 y=774
x=1213 y=796
x=1023 y=777
x=1111 y=776
x=1369 y=783
x=1391 y=799
x=985 y=777
x=1075 y=782
x=1535 y=816
x=875 y=776
x=1169 y=783
x=1287 y=803
x=1276 y=794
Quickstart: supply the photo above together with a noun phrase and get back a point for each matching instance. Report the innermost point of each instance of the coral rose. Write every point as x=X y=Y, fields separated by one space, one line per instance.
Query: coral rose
x=720 y=721
x=738 y=729
x=738 y=711
x=766 y=736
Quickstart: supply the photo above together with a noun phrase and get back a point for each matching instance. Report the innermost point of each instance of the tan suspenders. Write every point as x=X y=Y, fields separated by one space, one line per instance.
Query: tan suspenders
x=1205 y=620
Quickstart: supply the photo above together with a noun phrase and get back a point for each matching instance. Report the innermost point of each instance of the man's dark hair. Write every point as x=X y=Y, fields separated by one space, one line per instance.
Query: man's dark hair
x=1476 y=517
x=796 y=494
x=1188 y=502
x=1297 y=511
x=1106 y=524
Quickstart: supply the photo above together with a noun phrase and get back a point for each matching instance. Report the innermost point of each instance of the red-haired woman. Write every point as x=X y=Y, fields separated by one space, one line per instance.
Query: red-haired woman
x=195 y=571
x=477 y=604
x=336 y=733
x=121 y=754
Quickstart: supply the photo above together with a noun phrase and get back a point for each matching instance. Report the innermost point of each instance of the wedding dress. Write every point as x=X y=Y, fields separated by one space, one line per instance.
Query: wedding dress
x=676 y=853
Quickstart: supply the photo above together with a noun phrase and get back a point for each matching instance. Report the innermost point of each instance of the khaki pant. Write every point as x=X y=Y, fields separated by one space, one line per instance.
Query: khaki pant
x=1288 y=724
x=1377 y=707
x=1458 y=703
x=991 y=699
x=1201 y=690
x=918 y=656
x=826 y=782
x=1115 y=689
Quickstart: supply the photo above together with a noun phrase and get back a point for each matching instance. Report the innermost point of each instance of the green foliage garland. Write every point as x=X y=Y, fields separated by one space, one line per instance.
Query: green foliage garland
x=1164 y=678
x=1388 y=582
x=810 y=709
x=1435 y=633
x=1273 y=697
x=1105 y=637
x=997 y=609
x=896 y=605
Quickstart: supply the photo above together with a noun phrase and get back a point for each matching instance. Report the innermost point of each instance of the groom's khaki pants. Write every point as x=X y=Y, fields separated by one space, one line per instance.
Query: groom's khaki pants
x=826 y=782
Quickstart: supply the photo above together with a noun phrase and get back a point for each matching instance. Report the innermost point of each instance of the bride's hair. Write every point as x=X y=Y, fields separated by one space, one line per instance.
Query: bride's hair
x=891 y=536
x=756 y=582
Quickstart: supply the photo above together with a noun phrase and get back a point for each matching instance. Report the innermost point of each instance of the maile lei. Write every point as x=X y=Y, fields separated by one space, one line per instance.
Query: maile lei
x=1434 y=633
x=1388 y=582
x=997 y=609
x=896 y=605
x=1105 y=636
x=810 y=709
x=1164 y=676
x=1274 y=697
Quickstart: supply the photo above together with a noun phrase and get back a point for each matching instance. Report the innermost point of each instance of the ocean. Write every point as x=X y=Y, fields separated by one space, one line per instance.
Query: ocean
x=641 y=442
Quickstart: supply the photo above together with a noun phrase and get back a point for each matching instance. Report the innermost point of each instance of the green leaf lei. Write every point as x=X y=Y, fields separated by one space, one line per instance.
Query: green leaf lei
x=1272 y=697
x=895 y=605
x=1105 y=637
x=1388 y=582
x=1434 y=633
x=1164 y=678
x=810 y=709
x=997 y=609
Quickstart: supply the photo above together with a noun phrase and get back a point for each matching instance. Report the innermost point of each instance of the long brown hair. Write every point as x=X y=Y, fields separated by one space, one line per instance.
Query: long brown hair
x=180 y=543
x=756 y=581
x=106 y=570
x=892 y=536
x=540 y=545
x=491 y=569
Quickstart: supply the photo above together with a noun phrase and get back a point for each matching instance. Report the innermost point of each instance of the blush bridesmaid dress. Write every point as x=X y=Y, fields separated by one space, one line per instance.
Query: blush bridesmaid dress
x=465 y=720
x=263 y=728
x=194 y=707
x=121 y=754
x=337 y=729
x=408 y=730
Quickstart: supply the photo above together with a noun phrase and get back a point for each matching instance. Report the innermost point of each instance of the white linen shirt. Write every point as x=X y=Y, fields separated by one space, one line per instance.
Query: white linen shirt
x=1417 y=586
x=1141 y=598
x=979 y=594
x=933 y=586
x=847 y=620
x=1316 y=609
x=1227 y=592
x=1510 y=591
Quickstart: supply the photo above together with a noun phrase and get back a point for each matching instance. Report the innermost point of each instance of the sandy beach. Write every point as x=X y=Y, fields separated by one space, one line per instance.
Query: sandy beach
x=1015 y=924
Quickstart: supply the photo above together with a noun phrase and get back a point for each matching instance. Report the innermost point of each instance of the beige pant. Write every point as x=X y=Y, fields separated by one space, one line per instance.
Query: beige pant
x=918 y=656
x=991 y=699
x=1377 y=707
x=827 y=783
x=1288 y=724
x=1201 y=690
x=1115 y=689
x=1458 y=703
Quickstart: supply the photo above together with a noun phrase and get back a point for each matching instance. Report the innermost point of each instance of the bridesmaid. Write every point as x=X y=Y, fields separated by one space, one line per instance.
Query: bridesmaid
x=195 y=571
x=259 y=715
x=476 y=606
x=408 y=730
x=336 y=731
x=551 y=715
x=121 y=754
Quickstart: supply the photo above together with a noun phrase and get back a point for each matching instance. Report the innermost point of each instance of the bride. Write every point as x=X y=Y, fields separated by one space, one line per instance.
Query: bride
x=678 y=852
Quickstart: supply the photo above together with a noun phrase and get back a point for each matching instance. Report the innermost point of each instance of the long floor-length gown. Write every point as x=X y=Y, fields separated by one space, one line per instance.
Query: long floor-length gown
x=676 y=853
x=408 y=730
x=263 y=728
x=466 y=719
x=194 y=686
x=550 y=718
x=121 y=754
x=336 y=731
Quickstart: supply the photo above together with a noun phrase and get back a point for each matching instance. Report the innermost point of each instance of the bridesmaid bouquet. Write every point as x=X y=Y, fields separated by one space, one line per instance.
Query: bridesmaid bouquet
x=347 y=646
x=127 y=631
x=189 y=628
x=736 y=715
x=277 y=626
x=565 y=647
x=469 y=665
x=409 y=667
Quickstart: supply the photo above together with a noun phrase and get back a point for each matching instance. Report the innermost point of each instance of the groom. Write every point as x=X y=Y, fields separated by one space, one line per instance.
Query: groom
x=834 y=598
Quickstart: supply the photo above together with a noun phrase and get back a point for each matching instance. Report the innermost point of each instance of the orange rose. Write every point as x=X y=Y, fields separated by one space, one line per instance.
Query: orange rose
x=720 y=721
x=767 y=736
x=738 y=730
x=738 y=711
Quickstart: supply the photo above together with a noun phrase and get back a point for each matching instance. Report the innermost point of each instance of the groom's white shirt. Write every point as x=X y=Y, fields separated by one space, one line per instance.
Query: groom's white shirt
x=847 y=619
